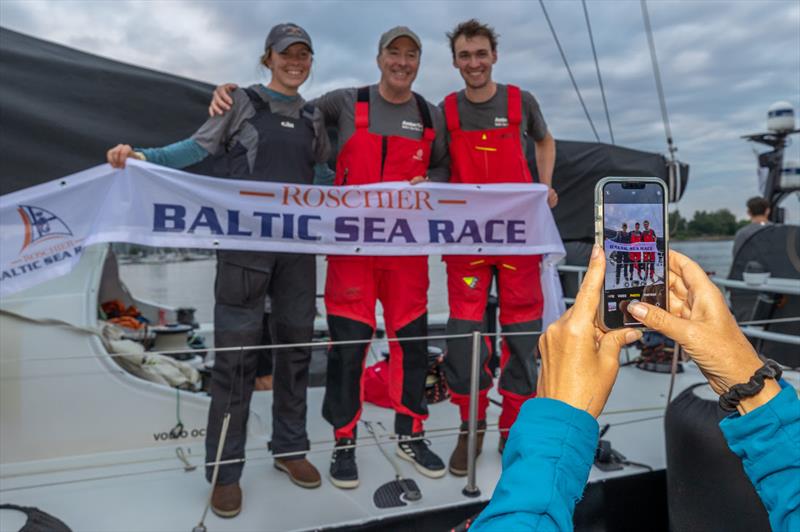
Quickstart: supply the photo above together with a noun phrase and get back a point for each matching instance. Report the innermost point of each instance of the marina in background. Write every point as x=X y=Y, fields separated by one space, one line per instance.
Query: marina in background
x=191 y=283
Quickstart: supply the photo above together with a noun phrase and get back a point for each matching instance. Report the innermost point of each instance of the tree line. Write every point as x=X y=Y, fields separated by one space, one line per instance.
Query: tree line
x=718 y=223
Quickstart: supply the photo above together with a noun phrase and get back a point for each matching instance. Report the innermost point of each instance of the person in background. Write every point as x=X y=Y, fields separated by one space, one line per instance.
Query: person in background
x=489 y=125
x=272 y=135
x=758 y=211
x=551 y=447
x=386 y=132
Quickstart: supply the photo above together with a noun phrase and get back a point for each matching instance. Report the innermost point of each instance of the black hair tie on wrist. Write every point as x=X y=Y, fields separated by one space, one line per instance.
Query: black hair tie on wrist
x=729 y=400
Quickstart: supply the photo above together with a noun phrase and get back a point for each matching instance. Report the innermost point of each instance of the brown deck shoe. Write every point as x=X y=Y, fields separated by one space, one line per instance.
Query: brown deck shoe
x=458 y=460
x=300 y=471
x=226 y=501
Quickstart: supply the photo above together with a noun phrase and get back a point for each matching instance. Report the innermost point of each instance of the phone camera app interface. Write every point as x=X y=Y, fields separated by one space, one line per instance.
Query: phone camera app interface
x=633 y=240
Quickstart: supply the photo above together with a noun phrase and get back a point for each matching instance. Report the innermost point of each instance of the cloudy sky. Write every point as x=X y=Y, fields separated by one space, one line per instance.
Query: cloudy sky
x=722 y=62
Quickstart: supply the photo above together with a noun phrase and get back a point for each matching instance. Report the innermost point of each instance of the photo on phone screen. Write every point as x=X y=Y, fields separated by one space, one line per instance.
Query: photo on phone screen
x=635 y=247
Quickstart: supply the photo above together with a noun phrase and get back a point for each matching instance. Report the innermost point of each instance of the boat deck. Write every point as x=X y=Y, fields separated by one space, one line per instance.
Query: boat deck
x=149 y=490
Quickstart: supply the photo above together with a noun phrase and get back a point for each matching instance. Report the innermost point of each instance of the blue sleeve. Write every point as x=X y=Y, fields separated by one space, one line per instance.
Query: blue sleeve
x=546 y=463
x=768 y=442
x=178 y=155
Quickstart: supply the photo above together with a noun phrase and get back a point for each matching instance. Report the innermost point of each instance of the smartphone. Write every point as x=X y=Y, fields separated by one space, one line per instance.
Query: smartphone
x=631 y=227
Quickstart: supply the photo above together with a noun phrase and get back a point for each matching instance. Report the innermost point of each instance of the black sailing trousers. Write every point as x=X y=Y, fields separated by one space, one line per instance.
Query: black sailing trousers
x=243 y=280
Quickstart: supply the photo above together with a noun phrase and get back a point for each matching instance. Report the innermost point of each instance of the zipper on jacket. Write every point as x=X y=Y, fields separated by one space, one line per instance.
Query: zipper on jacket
x=384 y=150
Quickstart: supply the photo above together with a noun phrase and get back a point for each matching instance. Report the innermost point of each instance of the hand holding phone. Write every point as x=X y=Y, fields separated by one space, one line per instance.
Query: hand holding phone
x=630 y=225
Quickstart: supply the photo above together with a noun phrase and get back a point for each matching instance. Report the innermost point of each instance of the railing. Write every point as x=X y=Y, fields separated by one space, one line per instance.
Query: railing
x=569 y=268
x=470 y=489
x=772 y=284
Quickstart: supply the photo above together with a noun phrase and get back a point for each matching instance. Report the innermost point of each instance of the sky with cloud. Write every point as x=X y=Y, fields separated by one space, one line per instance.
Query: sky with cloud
x=722 y=62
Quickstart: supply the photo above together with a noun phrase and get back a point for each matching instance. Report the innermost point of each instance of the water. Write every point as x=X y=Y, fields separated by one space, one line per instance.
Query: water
x=715 y=256
x=191 y=284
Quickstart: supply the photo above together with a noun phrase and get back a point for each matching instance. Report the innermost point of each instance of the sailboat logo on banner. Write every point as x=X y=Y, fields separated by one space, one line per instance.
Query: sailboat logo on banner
x=41 y=224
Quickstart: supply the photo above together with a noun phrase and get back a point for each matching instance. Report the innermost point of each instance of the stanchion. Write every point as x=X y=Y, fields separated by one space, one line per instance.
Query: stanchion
x=471 y=489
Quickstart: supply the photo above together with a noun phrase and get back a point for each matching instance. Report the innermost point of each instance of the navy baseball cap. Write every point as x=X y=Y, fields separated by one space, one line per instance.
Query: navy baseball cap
x=283 y=36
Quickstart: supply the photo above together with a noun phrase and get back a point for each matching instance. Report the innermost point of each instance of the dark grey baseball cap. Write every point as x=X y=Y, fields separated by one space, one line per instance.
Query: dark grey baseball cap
x=283 y=36
x=395 y=33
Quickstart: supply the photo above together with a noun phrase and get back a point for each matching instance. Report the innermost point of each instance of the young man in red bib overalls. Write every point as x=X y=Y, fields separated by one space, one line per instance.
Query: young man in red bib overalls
x=649 y=257
x=488 y=125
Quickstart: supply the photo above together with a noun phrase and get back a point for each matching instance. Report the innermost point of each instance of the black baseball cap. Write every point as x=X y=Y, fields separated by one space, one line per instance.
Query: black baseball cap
x=282 y=36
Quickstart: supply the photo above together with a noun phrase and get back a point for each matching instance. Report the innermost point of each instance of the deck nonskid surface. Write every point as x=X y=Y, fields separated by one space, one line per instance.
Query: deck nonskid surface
x=133 y=497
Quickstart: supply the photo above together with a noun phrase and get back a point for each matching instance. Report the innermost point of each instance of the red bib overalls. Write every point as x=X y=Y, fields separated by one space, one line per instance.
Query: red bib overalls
x=636 y=256
x=400 y=283
x=648 y=256
x=492 y=156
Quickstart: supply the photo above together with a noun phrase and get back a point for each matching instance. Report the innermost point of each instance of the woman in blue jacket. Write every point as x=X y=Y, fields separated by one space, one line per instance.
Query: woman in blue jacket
x=551 y=446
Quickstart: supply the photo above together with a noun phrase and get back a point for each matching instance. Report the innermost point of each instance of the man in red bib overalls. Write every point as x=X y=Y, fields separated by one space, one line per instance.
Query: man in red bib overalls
x=488 y=126
x=636 y=256
x=386 y=133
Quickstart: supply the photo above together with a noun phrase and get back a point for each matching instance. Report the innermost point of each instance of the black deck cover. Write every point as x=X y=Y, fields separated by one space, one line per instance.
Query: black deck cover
x=61 y=109
x=580 y=165
x=775 y=248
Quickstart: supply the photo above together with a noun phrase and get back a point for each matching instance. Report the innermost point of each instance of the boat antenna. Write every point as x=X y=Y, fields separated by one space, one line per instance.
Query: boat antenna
x=569 y=70
x=657 y=74
x=597 y=68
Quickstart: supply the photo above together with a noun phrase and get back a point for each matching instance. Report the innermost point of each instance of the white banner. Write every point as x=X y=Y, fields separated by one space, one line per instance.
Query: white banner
x=45 y=228
x=647 y=247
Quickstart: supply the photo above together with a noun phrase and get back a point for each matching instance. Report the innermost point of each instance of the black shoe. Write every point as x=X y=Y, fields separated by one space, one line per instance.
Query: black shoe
x=415 y=449
x=344 y=472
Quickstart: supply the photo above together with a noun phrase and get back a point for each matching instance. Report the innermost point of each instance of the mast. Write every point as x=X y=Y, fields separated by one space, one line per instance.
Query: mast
x=781 y=125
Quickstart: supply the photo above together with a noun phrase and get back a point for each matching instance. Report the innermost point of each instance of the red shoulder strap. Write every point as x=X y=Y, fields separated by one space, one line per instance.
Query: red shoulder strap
x=362 y=108
x=451 y=112
x=514 y=105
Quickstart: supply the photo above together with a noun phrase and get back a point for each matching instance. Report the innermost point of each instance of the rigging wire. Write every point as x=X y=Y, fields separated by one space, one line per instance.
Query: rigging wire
x=320 y=343
x=569 y=70
x=597 y=68
x=657 y=74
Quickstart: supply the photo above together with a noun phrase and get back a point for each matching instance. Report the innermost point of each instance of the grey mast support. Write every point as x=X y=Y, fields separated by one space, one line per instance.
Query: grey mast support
x=471 y=489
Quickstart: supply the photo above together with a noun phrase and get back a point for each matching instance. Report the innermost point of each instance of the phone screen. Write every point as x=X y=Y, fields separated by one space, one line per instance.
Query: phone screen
x=635 y=248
